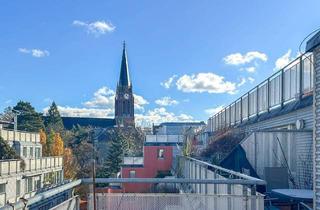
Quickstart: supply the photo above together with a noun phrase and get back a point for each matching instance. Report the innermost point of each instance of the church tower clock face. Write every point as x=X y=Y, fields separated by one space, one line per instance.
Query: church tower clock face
x=126 y=96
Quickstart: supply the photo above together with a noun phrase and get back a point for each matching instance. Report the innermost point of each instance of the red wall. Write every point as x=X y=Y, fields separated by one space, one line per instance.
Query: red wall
x=152 y=164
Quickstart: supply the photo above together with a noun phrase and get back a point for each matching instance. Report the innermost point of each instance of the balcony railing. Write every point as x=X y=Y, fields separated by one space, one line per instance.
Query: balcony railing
x=240 y=193
x=8 y=167
x=10 y=135
x=164 y=138
x=133 y=161
x=288 y=84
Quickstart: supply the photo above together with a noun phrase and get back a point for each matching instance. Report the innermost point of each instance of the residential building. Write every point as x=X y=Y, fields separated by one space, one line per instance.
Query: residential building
x=31 y=174
x=156 y=162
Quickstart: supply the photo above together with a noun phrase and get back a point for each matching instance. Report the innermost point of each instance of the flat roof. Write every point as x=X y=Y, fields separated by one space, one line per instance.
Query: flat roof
x=294 y=193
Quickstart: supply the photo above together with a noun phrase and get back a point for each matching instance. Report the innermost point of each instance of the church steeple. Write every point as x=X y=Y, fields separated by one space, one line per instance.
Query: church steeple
x=124 y=100
x=124 y=79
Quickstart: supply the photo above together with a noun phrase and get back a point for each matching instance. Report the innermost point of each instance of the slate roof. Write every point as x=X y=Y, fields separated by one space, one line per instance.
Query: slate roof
x=69 y=122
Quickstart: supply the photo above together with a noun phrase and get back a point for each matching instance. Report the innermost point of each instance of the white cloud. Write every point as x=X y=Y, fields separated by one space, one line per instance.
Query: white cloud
x=238 y=58
x=166 y=101
x=102 y=98
x=242 y=82
x=35 y=52
x=167 y=83
x=213 y=111
x=205 y=82
x=283 y=60
x=250 y=69
x=251 y=79
x=159 y=115
x=97 y=28
x=139 y=102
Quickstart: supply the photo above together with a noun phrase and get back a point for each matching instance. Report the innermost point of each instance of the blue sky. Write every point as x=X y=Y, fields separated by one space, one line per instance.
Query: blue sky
x=214 y=51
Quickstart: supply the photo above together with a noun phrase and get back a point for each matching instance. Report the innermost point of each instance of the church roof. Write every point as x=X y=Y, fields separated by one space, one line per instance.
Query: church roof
x=69 y=122
x=124 y=79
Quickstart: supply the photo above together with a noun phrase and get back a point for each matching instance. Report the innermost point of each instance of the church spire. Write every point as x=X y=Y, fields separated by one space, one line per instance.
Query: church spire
x=124 y=79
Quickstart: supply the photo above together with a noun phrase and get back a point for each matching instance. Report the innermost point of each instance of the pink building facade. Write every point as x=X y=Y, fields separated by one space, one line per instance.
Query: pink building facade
x=157 y=159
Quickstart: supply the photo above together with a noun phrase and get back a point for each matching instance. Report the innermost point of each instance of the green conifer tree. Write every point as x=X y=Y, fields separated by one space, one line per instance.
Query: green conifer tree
x=29 y=119
x=53 y=120
x=6 y=152
x=111 y=164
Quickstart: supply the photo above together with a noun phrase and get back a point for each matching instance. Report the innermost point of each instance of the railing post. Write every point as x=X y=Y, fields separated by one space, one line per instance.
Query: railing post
x=225 y=118
x=282 y=88
x=229 y=194
x=301 y=70
x=253 y=197
x=245 y=195
x=9 y=167
x=248 y=108
x=241 y=110
x=268 y=95
x=257 y=98
x=206 y=177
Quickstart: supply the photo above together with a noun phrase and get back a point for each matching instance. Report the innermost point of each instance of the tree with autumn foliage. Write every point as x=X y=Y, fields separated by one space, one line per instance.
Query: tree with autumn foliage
x=70 y=164
x=43 y=141
x=57 y=147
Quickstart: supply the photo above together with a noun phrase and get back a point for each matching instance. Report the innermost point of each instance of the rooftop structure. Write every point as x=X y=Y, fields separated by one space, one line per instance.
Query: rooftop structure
x=175 y=128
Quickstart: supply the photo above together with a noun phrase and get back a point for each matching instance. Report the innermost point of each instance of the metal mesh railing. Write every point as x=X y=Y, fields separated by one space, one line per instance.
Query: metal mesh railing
x=157 y=201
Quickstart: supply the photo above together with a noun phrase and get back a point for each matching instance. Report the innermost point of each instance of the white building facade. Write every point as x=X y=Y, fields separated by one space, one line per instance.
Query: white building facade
x=32 y=173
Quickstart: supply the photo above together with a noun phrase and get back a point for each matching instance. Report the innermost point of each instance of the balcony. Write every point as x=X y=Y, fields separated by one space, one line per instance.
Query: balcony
x=10 y=167
x=10 y=135
x=164 y=138
x=133 y=161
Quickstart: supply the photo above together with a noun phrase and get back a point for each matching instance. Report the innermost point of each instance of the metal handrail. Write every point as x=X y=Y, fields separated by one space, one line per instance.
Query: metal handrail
x=233 y=173
x=42 y=196
x=173 y=180
x=304 y=206
x=256 y=88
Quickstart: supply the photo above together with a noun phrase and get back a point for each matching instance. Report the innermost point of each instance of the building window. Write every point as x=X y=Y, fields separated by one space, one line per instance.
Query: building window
x=160 y=153
x=132 y=174
x=24 y=152
x=18 y=187
x=38 y=152
x=2 y=188
x=31 y=151
x=37 y=183
x=30 y=184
